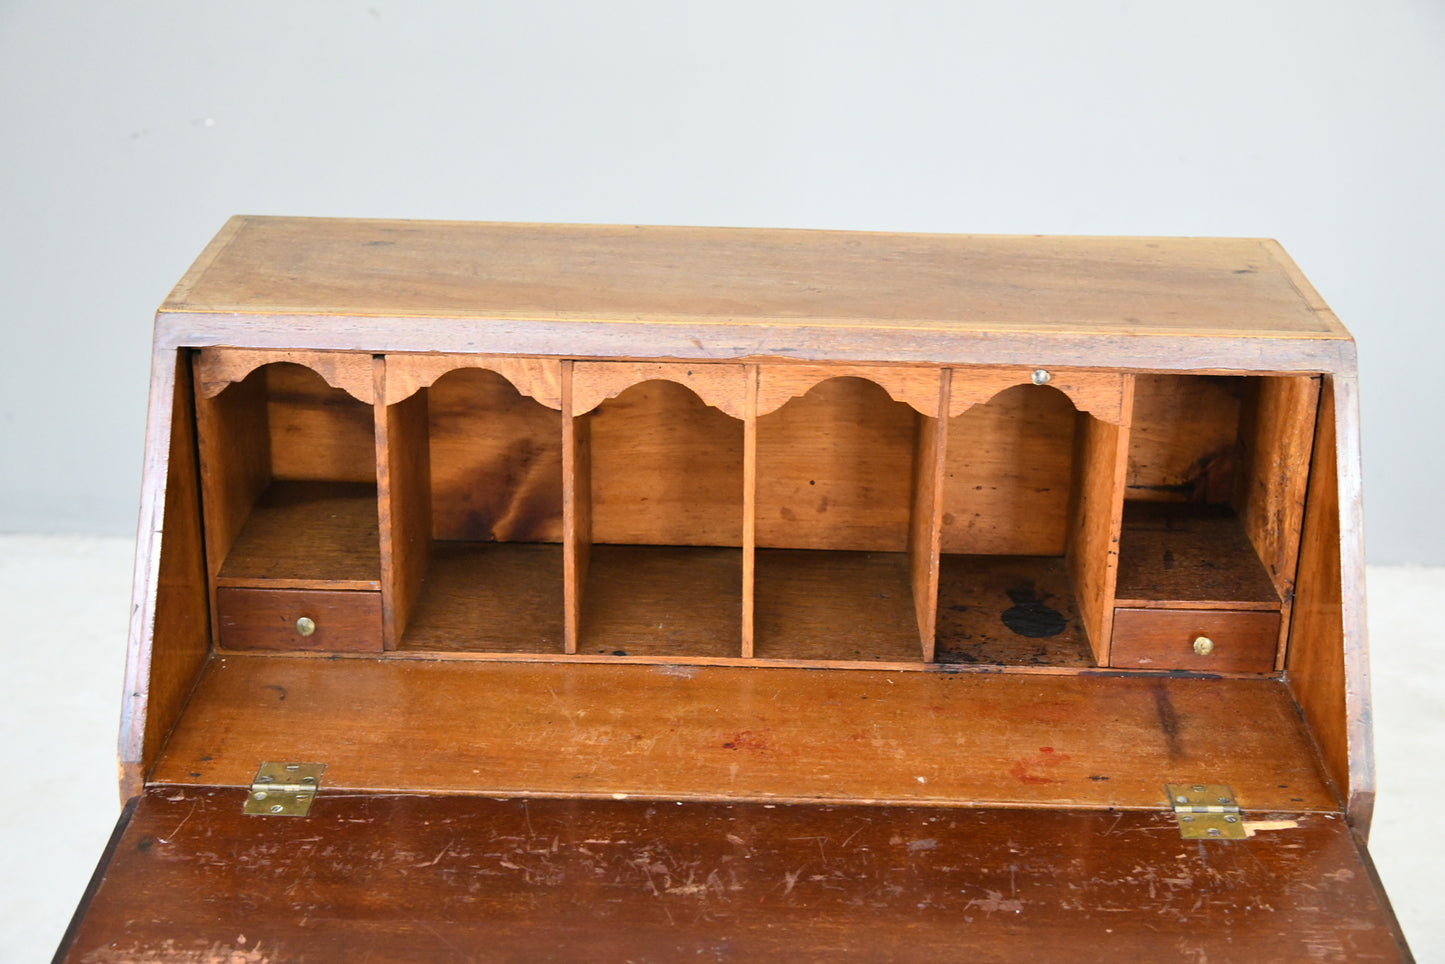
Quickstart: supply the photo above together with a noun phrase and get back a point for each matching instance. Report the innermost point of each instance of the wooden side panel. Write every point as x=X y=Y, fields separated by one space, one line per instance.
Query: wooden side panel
x=412 y=878
x=235 y=461
x=1327 y=667
x=496 y=460
x=318 y=432
x=404 y=500
x=1010 y=469
x=835 y=469
x=576 y=511
x=667 y=469
x=169 y=632
x=926 y=518
x=1276 y=438
x=750 y=509
x=1100 y=465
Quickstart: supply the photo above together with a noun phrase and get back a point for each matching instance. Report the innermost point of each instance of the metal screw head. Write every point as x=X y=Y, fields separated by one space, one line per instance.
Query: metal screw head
x=305 y=625
x=1203 y=646
x=1041 y=377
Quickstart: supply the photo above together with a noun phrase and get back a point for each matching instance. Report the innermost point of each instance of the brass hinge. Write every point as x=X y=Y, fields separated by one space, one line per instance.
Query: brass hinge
x=1206 y=811
x=284 y=789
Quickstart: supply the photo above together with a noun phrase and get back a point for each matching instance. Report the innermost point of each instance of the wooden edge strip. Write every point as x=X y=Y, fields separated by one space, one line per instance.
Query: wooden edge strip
x=750 y=507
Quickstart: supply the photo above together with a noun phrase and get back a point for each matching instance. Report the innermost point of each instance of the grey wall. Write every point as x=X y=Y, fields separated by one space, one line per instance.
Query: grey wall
x=130 y=131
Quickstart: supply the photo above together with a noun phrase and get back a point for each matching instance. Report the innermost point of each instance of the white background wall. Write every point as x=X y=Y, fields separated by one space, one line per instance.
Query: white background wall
x=130 y=131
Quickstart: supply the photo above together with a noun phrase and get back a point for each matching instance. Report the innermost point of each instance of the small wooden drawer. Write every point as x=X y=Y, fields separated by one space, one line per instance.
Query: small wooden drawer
x=304 y=620
x=1197 y=639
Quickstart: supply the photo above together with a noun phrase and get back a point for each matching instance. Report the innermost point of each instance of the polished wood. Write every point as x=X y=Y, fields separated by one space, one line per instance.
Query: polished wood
x=1184 y=438
x=668 y=731
x=539 y=379
x=299 y=535
x=833 y=605
x=267 y=619
x=1242 y=641
x=1009 y=474
x=842 y=551
x=1324 y=672
x=724 y=387
x=662 y=601
x=347 y=371
x=1101 y=394
x=486 y=880
x=925 y=522
x=496 y=461
x=835 y=470
x=496 y=597
x=1009 y=611
x=651 y=276
x=666 y=469
x=317 y=432
x=576 y=510
x=404 y=505
x=916 y=387
x=171 y=609
x=750 y=510
x=1196 y=554
x=1101 y=467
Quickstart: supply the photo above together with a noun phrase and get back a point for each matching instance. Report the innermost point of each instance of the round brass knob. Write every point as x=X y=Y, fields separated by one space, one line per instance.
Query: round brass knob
x=1041 y=376
x=1204 y=646
x=306 y=626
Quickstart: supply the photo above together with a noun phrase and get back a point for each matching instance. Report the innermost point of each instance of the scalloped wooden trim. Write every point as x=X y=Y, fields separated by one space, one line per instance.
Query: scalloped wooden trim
x=351 y=372
x=1101 y=394
x=918 y=388
x=538 y=378
x=724 y=387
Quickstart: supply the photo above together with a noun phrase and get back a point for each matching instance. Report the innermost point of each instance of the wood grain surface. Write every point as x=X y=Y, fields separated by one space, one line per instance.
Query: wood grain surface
x=666 y=731
x=407 y=878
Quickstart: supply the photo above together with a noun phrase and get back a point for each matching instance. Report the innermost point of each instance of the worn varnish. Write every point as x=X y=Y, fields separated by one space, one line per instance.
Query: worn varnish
x=794 y=528
x=529 y=880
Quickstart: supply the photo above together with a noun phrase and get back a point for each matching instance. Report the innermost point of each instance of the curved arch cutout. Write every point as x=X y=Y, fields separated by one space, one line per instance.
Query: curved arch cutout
x=537 y=378
x=351 y=372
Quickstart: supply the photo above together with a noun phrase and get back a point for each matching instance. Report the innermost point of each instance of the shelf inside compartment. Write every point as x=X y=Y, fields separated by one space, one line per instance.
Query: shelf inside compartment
x=1189 y=552
x=834 y=605
x=307 y=534
x=1008 y=611
x=662 y=601
x=492 y=597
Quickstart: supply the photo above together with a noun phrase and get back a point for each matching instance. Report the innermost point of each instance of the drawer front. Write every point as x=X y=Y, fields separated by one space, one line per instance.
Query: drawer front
x=278 y=618
x=1195 y=639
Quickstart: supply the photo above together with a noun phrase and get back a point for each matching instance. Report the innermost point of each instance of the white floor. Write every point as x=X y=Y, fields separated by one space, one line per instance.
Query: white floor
x=66 y=600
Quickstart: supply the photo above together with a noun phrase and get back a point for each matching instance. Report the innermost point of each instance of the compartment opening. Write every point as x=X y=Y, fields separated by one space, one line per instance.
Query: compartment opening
x=289 y=472
x=665 y=494
x=1215 y=490
x=835 y=498
x=1013 y=470
x=476 y=497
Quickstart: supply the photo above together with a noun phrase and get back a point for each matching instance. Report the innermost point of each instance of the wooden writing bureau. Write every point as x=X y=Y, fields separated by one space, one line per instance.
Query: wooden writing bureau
x=662 y=593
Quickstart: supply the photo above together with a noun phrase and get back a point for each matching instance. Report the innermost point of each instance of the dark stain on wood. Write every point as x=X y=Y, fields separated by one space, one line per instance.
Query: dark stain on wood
x=480 y=879
x=1169 y=723
x=1031 y=616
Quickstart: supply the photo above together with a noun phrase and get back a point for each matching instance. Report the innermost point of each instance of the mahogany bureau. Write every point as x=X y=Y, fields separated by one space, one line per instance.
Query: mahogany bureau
x=533 y=592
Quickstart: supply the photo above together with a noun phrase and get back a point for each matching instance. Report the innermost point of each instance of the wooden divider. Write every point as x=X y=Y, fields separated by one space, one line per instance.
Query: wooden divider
x=750 y=507
x=404 y=499
x=576 y=508
x=926 y=517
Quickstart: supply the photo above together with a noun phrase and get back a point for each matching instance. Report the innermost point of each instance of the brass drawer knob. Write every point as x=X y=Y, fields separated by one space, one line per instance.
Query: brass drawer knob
x=1203 y=645
x=305 y=626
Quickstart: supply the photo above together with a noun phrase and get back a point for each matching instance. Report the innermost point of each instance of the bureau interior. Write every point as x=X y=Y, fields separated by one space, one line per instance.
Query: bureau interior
x=429 y=504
